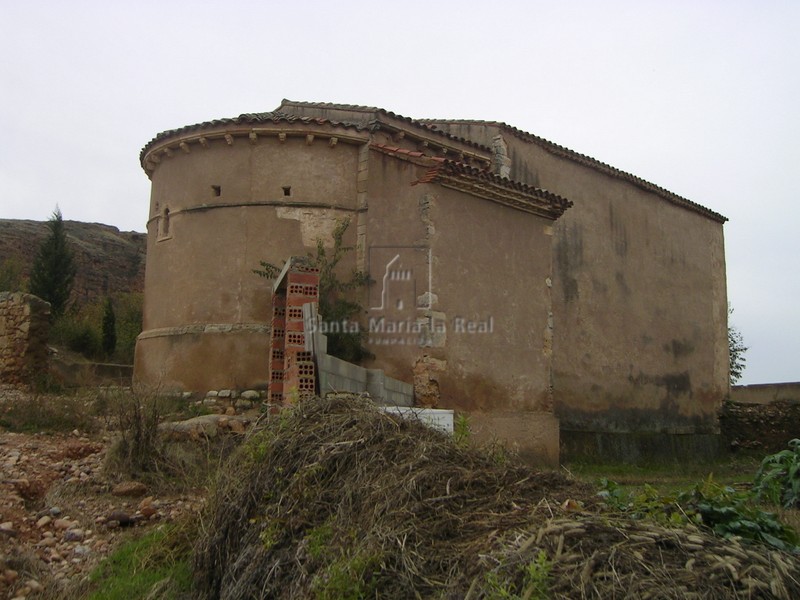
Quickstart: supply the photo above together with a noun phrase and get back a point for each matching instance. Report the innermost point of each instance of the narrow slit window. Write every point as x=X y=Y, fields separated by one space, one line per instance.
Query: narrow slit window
x=165 y=223
x=287 y=190
x=217 y=190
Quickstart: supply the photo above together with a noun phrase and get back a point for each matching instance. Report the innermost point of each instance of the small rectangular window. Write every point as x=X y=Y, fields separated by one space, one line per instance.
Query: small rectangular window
x=287 y=190
x=217 y=189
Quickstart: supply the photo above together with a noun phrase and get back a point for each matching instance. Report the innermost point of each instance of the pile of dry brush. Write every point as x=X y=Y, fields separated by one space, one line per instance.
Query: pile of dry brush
x=335 y=499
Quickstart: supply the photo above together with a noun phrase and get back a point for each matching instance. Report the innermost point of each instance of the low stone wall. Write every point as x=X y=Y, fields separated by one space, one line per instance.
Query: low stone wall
x=24 y=327
x=761 y=428
x=761 y=418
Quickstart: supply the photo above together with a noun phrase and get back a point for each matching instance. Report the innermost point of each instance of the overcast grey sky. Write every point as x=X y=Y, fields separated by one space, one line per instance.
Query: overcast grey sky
x=698 y=97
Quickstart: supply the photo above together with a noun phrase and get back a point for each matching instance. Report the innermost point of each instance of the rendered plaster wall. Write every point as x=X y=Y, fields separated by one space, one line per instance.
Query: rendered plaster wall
x=489 y=282
x=639 y=300
x=206 y=314
x=24 y=327
x=765 y=393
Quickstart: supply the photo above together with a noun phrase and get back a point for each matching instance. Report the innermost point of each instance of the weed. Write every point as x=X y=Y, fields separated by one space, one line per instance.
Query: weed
x=535 y=581
x=271 y=535
x=778 y=478
x=319 y=539
x=537 y=577
x=138 y=449
x=462 y=432
x=155 y=565
x=348 y=578
x=730 y=513
x=48 y=413
x=724 y=510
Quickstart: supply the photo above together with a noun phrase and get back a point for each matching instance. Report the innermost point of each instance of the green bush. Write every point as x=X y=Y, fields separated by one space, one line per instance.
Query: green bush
x=78 y=331
x=81 y=329
x=778 y=479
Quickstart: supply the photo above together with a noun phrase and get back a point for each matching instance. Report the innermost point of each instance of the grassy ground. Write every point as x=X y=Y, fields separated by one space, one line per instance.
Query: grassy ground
x=736 y=471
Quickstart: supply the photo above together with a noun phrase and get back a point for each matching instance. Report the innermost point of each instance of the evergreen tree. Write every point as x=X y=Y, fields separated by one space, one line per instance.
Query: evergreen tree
x=109 y=328
x=53 y=272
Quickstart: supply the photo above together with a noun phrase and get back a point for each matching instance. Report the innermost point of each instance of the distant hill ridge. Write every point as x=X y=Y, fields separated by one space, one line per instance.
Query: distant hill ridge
x=108 y=261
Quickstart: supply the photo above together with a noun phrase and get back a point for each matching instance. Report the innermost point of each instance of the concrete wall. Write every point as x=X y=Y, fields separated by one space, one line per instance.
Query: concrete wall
x=336 y=375
x=24 y=327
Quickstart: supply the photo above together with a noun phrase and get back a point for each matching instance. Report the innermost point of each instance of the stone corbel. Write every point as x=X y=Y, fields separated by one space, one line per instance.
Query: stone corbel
x=281 y=137
x=229 y=139
x=203 y=142
x=185 y=147
x=253 y=137
x=333 y=141
x=309 y=139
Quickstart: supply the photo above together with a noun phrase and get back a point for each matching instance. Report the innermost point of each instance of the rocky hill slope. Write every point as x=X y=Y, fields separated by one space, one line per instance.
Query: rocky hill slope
x=109 y=261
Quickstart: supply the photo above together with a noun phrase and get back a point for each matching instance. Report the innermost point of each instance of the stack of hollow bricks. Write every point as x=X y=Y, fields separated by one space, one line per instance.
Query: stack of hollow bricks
x=292 y=367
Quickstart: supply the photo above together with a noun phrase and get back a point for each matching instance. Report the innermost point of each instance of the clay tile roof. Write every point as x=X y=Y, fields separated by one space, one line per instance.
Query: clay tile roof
x=376 y=124
x=590 y=162
x=481 y=182
x=249 y=119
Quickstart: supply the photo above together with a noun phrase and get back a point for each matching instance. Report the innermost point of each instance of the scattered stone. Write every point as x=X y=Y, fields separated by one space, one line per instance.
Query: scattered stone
x=43 y=521
x=129 y=488
x=236 y=426
x=122 y=518
x=47 y=542
x=74 y=535
x=7 y=529
x=212 y=394
x=224 y=394
x=64 y=523
x=243 y=404
x=250 y=395
x=230 y=411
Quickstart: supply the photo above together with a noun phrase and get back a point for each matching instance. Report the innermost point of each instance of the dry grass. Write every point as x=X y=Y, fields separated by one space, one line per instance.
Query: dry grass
x=335 y=499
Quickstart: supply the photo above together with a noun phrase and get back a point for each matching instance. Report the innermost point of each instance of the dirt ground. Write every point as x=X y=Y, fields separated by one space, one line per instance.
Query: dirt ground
x=60 y=513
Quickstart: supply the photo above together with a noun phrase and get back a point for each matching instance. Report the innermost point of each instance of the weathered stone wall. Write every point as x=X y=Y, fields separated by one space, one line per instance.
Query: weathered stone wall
x=24 y=326
x=762 y=428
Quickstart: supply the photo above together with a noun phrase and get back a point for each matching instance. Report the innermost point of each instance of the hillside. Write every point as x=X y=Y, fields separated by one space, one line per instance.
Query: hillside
x=109 y=261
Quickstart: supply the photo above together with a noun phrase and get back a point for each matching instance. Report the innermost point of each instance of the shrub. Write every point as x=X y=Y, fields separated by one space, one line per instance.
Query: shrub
x=778 y=479
x=78 y=331
x=138 y=449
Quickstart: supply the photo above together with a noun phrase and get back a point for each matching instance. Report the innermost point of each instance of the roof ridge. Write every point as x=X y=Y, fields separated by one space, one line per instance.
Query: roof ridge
x=334 y=105
x=589 y=161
